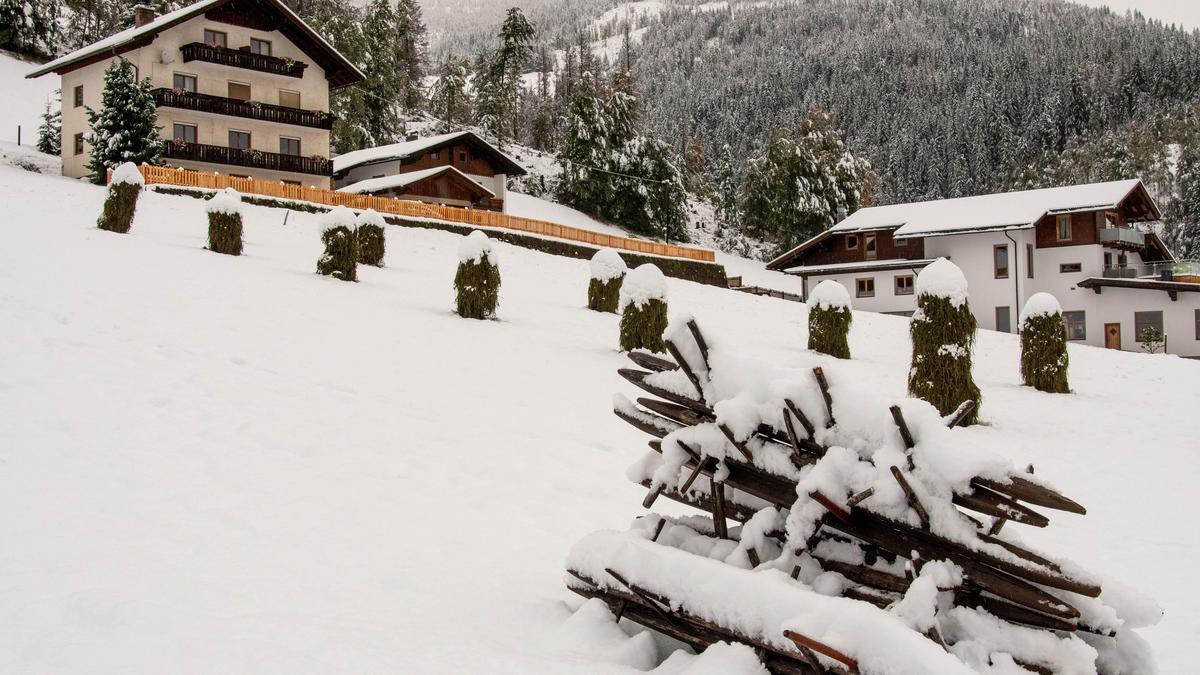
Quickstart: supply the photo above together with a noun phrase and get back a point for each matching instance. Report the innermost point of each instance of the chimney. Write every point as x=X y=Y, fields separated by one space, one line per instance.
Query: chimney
x=142 y=15
x=412 y=136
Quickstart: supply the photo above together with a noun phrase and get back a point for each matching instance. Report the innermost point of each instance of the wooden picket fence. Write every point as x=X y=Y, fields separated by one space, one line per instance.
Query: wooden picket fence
x=414 y=209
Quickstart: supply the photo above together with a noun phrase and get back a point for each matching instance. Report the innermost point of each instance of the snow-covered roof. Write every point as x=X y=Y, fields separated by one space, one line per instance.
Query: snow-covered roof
x=859 y=266
x=406 y=149
x=400 y=180
x=137 y=36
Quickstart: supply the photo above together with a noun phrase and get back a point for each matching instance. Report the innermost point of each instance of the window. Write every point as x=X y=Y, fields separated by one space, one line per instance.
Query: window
x=79 y=96
x=1067 y=268
x=434 y=155
x=871 y=251
x=1029 y=260
x=1076 y=325
x=1198 y=324
x=1146 y=320
x=904 y=284
x=292 y=182
x=899 y=242
x=1000 y=260
x=462 y=156
x=239 y=140
x=184 y=133
x=289 y=146
x=79 y=144
x=260 y=47
x=866 y=287
x=239 y=91
x=1064 y=228
x=290 y=99
x=185 y=83
x=214 y=38
x=851 y=242
x=1003 y=319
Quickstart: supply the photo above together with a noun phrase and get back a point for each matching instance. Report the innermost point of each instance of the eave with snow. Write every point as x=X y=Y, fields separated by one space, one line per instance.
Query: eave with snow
x=241 y=86
x=1013 y=245
x=381 y=170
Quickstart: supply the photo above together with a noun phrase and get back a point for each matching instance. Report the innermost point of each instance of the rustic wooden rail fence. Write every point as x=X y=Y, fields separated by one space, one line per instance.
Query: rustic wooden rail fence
x=414 y=209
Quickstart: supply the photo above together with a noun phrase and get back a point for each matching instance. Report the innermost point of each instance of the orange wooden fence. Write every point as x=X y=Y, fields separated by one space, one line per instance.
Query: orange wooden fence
x=414 y=209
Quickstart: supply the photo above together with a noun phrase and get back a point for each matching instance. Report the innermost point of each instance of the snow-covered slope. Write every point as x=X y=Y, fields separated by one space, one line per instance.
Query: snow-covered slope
x=232 y=464
x=25 y=100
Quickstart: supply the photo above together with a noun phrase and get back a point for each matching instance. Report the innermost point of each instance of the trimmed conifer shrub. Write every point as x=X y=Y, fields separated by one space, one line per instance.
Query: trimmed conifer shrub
x=943 y=337
x=369 y=231
x=225 y=222
x=477 y=282
x=829 y=318
x=604 y=287
x=1044 y=358
x=121 y=200
x=341 y=247
x=643 y=309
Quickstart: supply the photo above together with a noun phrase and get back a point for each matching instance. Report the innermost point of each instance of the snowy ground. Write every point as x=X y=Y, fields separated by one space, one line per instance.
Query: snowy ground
x=233 y=464
x=25 y=99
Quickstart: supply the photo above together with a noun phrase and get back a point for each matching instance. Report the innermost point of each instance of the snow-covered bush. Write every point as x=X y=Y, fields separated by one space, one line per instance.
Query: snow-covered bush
x=643 y=309
x=604 y=288
x=477 y=282
x=369 y=232
x=1044 y=345
x=943 y=336
x=829 y=319
x=341 y=249
x=121 y=201
x=225 y=222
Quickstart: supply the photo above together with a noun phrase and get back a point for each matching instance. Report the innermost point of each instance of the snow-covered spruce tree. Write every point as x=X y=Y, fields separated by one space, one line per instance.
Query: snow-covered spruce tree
x=1044 y=345
x=49 y=138
x=804 y=182
x=604 y=288
x=225 y=222
x=125 y=129
x=499 y=77
x=1183 y=231
x=449 y=98
x=477 y=282
x=30 y=27
x=121 y=200
x=829 y=319
x=380 y=66
x=368 y=231
x=943 y=336
x=643 y=309
x=341 y=248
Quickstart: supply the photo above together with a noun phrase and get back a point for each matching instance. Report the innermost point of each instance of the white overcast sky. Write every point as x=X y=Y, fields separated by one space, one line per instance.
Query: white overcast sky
x=1183 y=12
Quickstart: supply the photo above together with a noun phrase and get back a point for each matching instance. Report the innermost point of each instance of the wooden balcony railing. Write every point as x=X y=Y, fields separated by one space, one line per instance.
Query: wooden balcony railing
x=254 y=159
x=198 y=51
x=219 y=105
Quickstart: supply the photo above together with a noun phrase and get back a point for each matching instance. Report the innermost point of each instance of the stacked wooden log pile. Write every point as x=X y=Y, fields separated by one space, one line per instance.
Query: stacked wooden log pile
x=776 y=464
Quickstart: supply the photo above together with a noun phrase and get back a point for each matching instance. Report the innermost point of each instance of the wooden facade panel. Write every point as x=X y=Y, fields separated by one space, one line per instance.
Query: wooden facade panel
x=1083 y=230
x=451 y=156
x=836 y=250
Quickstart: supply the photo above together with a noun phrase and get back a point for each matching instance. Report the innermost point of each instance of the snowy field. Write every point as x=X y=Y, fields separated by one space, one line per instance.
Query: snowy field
x=25 y=99
x=215 y=464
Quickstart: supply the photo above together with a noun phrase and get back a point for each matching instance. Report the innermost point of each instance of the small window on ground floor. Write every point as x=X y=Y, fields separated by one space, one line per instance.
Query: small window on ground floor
x=1198 y=324
x=1146 y=321
x=1029 y=260
x=904 y=284
x=289 y=146
x=1076 y=325
x=79 y=144
x=292 y=182
x=183 y=133
x=865 y=287
x=1066 y=268
x=1004 y=319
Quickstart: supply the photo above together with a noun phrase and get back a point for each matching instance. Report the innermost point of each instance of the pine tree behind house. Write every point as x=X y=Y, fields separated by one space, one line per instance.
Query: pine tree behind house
x=498 y=80
x=30 y=27
x=449 y=98
x=49 y=139
x=125 y=129
x=943 y=338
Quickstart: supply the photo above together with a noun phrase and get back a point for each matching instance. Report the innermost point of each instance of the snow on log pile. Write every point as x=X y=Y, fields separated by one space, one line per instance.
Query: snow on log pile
x=868 y=538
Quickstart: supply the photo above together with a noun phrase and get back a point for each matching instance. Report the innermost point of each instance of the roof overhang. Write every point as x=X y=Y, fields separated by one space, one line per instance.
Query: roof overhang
x=397 y=182
x=974 y=230
x=508 y=165
x=1172 y=288
x=859 y=266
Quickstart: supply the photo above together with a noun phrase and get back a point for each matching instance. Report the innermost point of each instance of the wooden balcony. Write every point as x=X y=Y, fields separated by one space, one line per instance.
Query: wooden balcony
x=265 y=112
x=253 y=159
x=237 y=58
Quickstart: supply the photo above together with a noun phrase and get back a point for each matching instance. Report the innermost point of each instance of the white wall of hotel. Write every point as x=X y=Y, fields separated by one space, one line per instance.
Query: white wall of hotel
x=214 y=79
x=990 y=296
x=497 y=184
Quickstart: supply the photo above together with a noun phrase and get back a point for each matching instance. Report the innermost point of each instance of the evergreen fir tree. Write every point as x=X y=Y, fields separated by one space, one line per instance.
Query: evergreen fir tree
x=411 y=45
x=125 y=129
x=382 y=69
x=477 y=281
x=339 y=23
x=1183 y=231
x=50 y=132
x=943 y=338
x=584 y=150
x=449 y=100
x=500 y=77
x=30 y=27
x=725 y=189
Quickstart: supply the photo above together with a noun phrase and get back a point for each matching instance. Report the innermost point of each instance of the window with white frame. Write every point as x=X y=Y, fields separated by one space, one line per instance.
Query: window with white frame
x=1076 y=325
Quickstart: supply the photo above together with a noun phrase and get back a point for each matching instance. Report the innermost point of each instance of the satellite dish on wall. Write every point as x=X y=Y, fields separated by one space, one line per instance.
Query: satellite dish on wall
x=166 y=57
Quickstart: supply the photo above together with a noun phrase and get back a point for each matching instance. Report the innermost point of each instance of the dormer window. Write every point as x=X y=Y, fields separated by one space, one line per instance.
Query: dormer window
x=872 y=253
x=1063 y=231
x=851 y=242
x=260 y=47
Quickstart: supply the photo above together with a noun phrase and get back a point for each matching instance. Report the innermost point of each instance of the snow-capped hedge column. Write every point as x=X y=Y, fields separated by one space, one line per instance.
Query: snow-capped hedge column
x=121 y=201
x=477 y=283
x=604 y=288
x=369 y=232
x=225 y=222
x=943 y=335
x=1044 y=345
x=643 y=309
x=341 y=248
x=829 y=319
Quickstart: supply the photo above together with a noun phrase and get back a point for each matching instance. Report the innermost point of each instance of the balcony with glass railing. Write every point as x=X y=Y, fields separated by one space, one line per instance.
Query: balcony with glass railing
x=1122 y=237
x=1169 y=270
